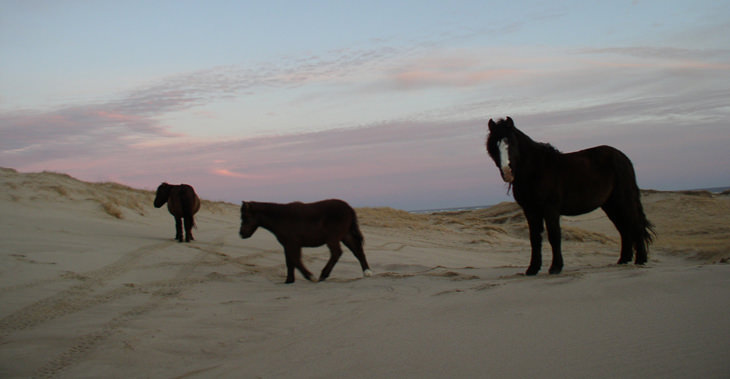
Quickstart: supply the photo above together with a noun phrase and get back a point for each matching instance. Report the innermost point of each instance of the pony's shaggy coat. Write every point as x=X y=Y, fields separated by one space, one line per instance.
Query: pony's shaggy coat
x=547 y=183
x=182 y=203
x=298 y=225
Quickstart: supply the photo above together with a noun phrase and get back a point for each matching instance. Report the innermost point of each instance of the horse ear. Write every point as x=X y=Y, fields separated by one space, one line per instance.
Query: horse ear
x=491 y=124
x=509 y=121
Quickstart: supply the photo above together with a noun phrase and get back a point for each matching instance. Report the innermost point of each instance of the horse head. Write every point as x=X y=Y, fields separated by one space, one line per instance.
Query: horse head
x=502 y=147
x=163 y=193
x=249 y=223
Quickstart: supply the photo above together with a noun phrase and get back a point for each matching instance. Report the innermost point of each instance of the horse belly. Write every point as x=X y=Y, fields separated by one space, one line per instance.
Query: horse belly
x=313 y=235
x=312 y=242
x=577 y=210
x=584 y=199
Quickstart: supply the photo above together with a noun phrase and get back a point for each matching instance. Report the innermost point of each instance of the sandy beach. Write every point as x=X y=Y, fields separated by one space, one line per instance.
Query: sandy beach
x=92 y=284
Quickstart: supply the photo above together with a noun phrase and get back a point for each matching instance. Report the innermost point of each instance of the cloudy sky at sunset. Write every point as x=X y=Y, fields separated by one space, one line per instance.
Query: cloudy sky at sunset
x=380 y=103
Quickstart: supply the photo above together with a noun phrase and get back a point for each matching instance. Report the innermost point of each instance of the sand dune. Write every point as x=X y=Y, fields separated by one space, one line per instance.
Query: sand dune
x=93 y=285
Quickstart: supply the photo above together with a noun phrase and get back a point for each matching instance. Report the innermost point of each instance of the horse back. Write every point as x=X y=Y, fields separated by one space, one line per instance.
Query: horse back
x=327 y=212
x=314 y=224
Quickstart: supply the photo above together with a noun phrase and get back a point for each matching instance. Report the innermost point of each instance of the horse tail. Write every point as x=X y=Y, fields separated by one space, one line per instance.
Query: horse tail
x=355 y=231
x=357 y=238
x=645 y=229
x=642 y=229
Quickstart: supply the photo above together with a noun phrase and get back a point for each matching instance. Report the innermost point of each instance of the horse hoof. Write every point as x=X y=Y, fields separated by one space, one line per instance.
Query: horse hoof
x=555 y=270
x=532 y=271
x=367 y=273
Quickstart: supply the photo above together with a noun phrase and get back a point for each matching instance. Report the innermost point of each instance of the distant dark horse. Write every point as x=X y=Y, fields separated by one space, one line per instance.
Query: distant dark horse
x=547 y=184
x=298 y=225
x=183 y=203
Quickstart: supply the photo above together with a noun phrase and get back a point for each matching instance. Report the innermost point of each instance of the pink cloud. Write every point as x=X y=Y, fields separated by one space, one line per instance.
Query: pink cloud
x=231 y=174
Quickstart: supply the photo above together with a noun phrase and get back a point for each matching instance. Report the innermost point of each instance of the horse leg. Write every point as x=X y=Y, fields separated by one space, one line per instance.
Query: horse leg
x=357 y=250
x=297 y=262
x=552 y=221
x=178 y=229
x=641 y=256
x=290 y=255
x=614 y=214
x=534 y=221
x=188 y=228
x=335 y=254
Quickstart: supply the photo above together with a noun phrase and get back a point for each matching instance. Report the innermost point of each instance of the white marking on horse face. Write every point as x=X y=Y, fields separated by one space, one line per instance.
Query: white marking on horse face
x=367 y=273
x=504 y=160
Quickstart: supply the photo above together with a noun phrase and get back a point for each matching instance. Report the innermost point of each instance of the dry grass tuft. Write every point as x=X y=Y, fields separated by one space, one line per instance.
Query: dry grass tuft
x=112 y=210
x=61 y=190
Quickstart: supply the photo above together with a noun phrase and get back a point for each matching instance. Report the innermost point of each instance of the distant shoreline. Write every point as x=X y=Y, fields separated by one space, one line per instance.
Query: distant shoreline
x=715 y=190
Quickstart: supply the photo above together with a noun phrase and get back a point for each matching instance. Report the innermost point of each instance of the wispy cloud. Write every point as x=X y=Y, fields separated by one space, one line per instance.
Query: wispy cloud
x=430 y=147
x=672 y=53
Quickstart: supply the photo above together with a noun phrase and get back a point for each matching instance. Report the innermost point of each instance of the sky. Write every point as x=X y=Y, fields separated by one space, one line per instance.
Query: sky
x=379 y=103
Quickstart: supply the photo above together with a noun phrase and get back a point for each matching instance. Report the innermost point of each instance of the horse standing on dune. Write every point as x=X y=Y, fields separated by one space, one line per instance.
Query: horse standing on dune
x=298 y=225
x=547 y=184
x=183 y=203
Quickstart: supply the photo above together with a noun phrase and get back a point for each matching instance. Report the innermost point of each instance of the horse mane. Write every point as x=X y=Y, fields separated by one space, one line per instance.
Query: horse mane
x=272 y=209
x=543 y=147
x=548 y=147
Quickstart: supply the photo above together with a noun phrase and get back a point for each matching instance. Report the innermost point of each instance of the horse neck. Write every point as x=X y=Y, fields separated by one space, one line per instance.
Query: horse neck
x=532 y=155
x=268 y=215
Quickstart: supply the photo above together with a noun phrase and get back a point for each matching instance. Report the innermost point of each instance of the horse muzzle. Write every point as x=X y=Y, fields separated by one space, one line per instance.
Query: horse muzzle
x=246 y=232
x=507 y=175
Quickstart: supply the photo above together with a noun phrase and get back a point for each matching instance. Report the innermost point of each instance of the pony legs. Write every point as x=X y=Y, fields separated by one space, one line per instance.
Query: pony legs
x=355 y=245
x=552 y=222
x=534 y=221
x=294 y=260
x=335 y=254
x=619 y=220
x=189 y=228
x=187 y=222
x=178 y=229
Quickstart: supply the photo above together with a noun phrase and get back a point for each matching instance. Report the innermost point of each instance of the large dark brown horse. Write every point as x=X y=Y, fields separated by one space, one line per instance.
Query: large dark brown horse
x=547 y=184
x=183 y=203
x=298 y=225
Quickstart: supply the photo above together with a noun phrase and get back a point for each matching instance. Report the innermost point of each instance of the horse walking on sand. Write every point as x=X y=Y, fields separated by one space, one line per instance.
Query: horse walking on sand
x=183 y=203
x=547 y=183
x=298 y=225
